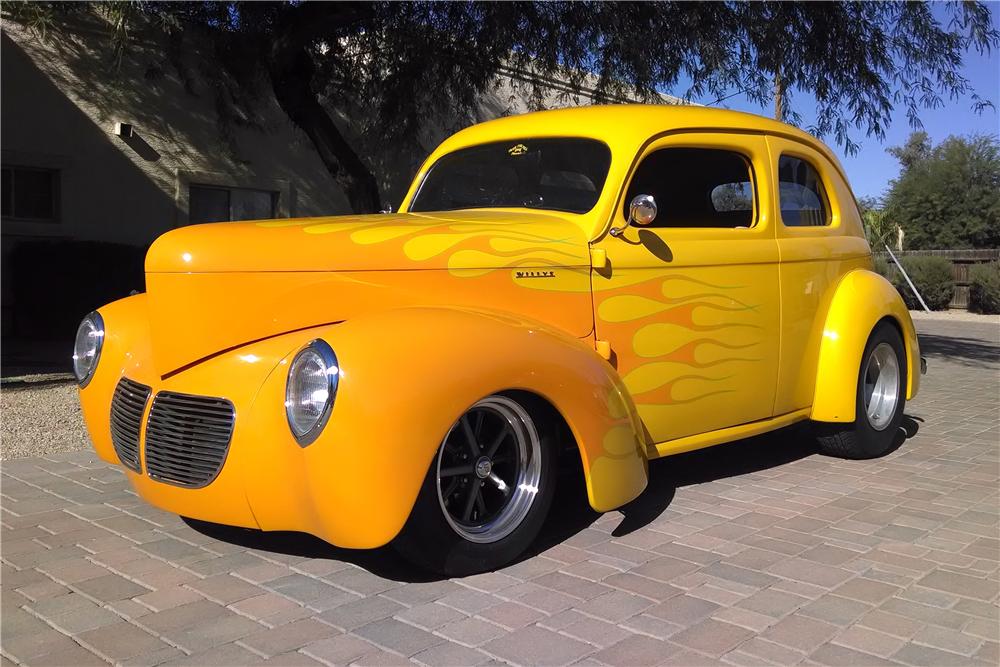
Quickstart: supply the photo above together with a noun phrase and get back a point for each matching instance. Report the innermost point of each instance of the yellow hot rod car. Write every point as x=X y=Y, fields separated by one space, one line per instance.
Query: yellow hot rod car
x=622 y=283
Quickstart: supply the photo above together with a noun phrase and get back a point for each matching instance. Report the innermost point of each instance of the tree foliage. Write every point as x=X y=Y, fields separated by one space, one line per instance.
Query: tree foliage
x=395 y=64
x=947 y=196
x=916 y=149
x=879 y=228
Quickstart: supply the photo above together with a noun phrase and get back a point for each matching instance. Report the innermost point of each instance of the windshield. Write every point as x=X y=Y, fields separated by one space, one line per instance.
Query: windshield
x=553 y=174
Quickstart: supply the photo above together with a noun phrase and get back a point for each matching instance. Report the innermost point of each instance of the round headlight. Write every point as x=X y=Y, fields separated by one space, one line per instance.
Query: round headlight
x=87 y=347
x=312 y=386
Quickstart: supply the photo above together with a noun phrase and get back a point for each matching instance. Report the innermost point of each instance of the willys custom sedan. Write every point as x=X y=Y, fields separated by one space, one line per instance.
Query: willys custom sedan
x=615 y=284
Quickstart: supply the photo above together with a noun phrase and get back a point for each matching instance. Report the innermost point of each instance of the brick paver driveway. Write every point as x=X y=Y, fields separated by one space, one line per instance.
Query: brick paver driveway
x=753 y=553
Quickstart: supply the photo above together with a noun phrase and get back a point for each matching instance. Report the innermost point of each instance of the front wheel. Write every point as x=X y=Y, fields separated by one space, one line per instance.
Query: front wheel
x=487 y=491
x=881 y=396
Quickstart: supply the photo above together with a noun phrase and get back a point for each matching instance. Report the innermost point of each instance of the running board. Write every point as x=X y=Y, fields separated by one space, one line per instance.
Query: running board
x=701 y=440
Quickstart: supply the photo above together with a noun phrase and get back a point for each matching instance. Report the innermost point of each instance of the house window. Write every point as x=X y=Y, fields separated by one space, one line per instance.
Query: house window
x=696 y=187
x=803 y=198
x=210 y=203
x=30 y=194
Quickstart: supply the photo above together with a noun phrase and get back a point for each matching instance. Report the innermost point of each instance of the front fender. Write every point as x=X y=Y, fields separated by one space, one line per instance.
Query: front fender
x=126 y=344
x=406 y=376
x=861 y=300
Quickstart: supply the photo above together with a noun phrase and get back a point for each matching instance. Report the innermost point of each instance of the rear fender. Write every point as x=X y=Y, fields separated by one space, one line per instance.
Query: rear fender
x=861 y=300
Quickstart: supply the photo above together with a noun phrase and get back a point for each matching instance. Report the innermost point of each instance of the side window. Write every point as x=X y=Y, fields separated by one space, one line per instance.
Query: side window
x=803 y=197
x=696 y=187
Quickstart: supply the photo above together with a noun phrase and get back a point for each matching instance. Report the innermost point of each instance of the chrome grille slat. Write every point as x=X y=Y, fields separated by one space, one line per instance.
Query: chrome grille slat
x=182 y=465
x=127 y=437
x=130 y=409
x=209 y=407
x=127 y=406
x=180 y=469
x=181 y=455
x=206 y=420
x=184 y=424
x=129 y=421
x=207 y=437
x=211 y=418
x=131 y=416
x=194 y=447
x=187 y=449
x=187 y=438
x=211 y=410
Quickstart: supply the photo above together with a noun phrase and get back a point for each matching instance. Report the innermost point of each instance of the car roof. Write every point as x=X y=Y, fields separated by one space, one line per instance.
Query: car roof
x=630 y=124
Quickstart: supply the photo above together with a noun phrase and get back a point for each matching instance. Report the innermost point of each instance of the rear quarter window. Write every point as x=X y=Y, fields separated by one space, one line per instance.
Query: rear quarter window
x=802 y=194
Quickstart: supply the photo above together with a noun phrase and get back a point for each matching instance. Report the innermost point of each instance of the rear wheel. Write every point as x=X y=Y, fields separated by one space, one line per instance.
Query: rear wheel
x=487 y=491
x=881 y=397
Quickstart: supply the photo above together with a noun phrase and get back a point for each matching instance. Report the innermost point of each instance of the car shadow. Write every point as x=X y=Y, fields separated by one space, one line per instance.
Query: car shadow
x=383 y=562
x=966 y=351
x=571 y=512
x=671 y=473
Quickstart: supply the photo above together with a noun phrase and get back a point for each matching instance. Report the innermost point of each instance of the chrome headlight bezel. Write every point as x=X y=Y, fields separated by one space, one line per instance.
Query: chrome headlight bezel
x=316 y=350
x=93 y=323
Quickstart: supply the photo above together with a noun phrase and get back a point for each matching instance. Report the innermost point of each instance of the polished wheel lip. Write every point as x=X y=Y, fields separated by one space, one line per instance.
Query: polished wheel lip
x=881 y=378
x=524 y=488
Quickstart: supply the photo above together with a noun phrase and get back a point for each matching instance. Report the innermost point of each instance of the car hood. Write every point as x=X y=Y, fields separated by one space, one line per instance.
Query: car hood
x=459 y=240
x=219 y=286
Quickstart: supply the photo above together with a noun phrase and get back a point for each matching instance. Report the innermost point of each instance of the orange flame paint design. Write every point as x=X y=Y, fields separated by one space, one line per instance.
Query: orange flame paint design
x=663 y=395
x=661 y=309
x=684 y=316
x=484 y=246
x=686 y=353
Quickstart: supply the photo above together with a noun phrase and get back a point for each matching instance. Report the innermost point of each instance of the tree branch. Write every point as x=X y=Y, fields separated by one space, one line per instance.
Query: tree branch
x=291 y=70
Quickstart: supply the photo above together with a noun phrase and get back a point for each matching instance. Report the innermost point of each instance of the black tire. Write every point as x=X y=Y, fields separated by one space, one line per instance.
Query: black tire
x=860 y=439
x=434 y=541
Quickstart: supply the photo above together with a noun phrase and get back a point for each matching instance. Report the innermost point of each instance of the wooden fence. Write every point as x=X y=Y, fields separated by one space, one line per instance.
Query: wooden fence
x=960 y=260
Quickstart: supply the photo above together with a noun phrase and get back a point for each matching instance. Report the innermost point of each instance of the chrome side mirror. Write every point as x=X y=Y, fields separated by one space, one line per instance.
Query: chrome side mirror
x=641 y=212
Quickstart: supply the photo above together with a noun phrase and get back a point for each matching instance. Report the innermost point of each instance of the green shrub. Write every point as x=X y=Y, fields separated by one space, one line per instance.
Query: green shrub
x=984 y=290
x=932 y=277
x=884 y=267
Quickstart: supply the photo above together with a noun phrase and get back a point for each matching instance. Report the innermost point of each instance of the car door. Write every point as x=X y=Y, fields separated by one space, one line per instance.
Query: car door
x=820 y=238
x=689 y=304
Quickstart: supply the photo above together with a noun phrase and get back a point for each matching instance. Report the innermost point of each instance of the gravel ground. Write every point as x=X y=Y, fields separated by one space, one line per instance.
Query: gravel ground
x=39 y=418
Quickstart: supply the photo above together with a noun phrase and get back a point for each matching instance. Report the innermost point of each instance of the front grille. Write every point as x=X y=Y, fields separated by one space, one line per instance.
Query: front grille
x=127 y=406
x=187 y=438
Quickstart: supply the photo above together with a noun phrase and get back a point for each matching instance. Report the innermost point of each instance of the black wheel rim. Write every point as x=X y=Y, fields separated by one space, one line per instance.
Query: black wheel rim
x=488 y=470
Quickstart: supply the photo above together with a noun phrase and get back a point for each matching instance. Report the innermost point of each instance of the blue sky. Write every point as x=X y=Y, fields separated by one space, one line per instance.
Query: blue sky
x=871 y=168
